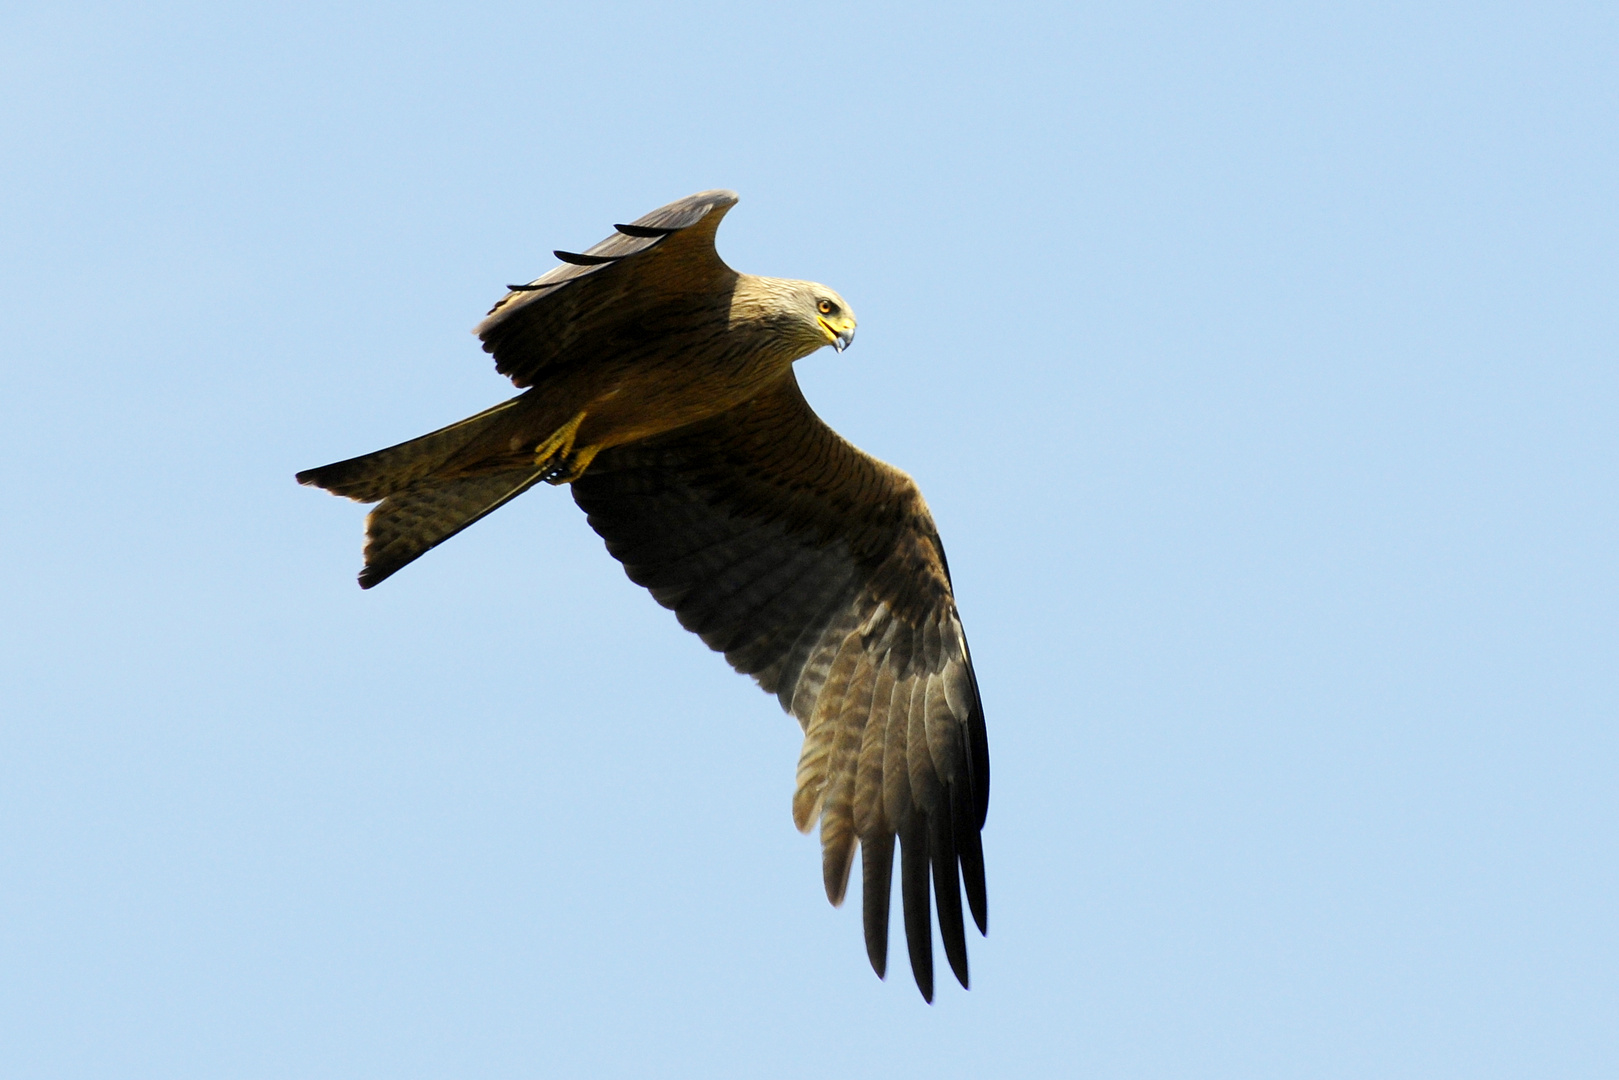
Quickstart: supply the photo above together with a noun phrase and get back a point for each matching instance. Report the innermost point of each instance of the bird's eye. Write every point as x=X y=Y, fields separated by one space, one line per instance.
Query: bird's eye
x=827 y=307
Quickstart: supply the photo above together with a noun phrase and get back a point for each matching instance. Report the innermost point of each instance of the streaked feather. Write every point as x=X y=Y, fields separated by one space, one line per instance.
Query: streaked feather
x=838 y=834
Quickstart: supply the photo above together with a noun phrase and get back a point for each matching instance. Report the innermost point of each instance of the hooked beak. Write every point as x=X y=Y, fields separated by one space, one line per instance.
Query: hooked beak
x=838 y=339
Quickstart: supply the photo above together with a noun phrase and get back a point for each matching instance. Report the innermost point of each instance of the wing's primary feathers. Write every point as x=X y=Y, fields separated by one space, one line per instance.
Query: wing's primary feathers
x=816 y=569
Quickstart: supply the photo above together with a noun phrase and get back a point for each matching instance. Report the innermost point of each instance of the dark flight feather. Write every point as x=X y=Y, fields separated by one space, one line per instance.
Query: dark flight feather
x=578 y=259
x=817 y=569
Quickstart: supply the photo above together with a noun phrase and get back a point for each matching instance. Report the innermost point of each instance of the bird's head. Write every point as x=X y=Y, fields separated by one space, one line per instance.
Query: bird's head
x=810 y=314
x=800 y=316
x=833 y=319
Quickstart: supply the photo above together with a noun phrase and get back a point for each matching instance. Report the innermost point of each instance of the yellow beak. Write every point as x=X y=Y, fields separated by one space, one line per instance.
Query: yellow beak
x=838 y=339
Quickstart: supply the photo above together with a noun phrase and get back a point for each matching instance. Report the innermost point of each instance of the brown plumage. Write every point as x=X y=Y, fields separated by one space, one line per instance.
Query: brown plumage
x=660 y=386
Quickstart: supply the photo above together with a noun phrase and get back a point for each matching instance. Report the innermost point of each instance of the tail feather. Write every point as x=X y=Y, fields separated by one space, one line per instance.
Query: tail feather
x=407 y=524
x=432 y=487
x=382 y=473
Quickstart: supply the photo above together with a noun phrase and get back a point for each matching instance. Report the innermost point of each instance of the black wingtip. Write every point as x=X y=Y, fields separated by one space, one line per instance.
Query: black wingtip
x=586 y=260
x=972 y=879
x=947 y=897
x=645 y=232
x=876 y=889
x=969 y=853
x=913 y=886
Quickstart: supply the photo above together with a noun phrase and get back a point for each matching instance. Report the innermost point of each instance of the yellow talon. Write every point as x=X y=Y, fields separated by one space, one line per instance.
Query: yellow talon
x=558 y=451
x=577 y=462
x=559 y=443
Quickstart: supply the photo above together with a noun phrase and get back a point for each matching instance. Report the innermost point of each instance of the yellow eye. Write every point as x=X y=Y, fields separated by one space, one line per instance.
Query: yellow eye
x=827 y=307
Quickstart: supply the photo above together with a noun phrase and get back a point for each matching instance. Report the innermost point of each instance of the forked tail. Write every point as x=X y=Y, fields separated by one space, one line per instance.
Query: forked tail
x=429 y=489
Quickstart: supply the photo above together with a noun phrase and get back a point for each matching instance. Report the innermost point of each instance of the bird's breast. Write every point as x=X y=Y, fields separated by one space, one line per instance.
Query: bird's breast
x=691 y=378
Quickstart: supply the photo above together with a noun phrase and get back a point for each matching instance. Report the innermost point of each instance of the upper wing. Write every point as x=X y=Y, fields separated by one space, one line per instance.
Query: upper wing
x=650 y=261
x=816 y=569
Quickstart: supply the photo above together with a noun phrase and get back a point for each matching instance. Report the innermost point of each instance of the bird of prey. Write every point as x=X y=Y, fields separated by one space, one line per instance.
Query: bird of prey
x=658 y=383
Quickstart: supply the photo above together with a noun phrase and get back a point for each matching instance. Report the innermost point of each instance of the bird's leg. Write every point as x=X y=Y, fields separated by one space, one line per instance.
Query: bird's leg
x=572 y=465
x=559 y=443
x=563 y=461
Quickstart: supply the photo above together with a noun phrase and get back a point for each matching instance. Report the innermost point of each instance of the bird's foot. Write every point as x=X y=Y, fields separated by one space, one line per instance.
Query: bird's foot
x=566 y=468
x=562 y=460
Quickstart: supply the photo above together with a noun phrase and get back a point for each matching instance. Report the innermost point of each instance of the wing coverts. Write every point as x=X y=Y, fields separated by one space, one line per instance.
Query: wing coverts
x=660 y=256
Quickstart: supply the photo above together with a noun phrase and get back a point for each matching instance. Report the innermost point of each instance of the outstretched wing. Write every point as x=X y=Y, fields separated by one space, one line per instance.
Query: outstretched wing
x=597 y=293
x=816 y=569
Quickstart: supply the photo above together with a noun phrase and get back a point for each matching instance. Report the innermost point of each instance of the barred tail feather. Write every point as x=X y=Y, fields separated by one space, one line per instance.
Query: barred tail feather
x=409 y=523
x=430 y=488
x=379 y=474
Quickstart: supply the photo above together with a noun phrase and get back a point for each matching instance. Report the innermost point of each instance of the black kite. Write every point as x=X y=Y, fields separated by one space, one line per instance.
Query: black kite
x=660 y=386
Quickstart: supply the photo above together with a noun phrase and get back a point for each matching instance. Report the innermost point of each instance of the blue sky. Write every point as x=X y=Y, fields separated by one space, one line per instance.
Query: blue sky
x=1257 y=362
